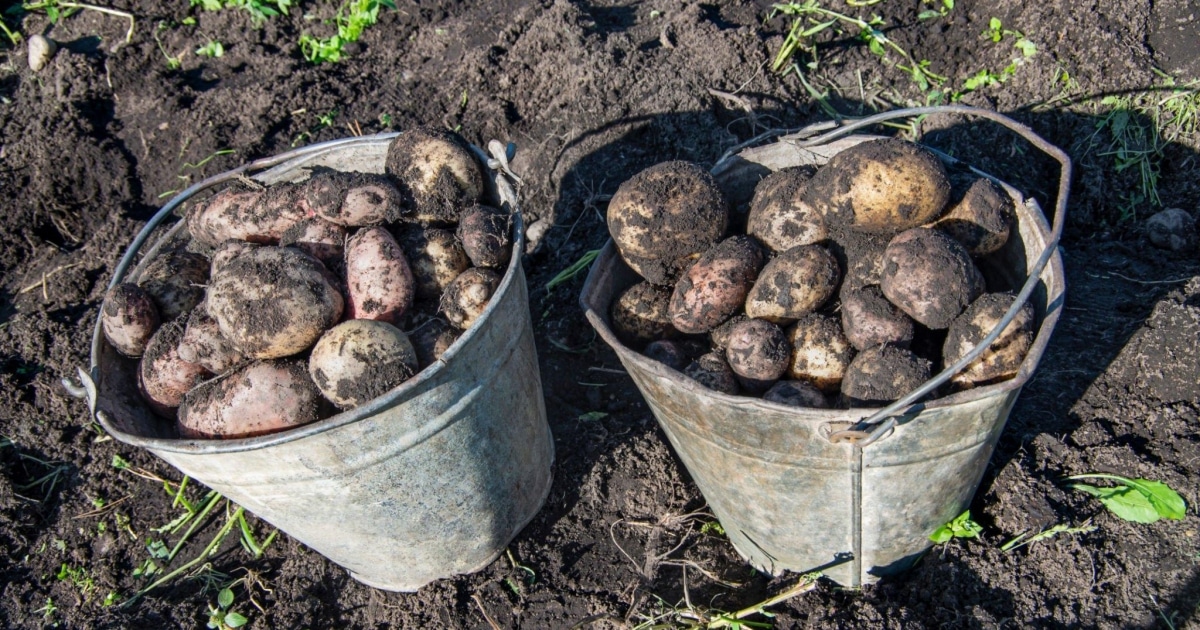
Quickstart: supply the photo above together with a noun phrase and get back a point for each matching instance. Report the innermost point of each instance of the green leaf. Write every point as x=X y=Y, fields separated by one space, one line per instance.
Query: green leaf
x=225 y=598
x=1137 y=496
x=1125 y=502
x=941 y=534
x=928 y=14
x=234 y=620
x=592 y=416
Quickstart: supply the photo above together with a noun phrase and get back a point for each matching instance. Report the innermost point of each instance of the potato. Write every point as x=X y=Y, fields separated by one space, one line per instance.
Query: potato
x=880 y=186
x=1003 y=358
x=246 y=215
x=467 y=297
x=670 y=353
x=713 y=372
x=226 y=252
x=869 y=319
x=641 y=315
x=664 y=217
x=353 y=199
x=796 y=394
x=175 y=280
x=273 y=302
x=486 y=235
x=930 y=276
x=263 y=397
x=432 y=339
x=780 y=217
x=438 y=171
x=129 y=318
x=318 y=238
x=793 y=284
x=435 y=256
x=203 y=344
x=715 y=286
x=719 y=337
x=163 y=377
x=379 y=280
x=758 y=353
x=861 y=258
x=285 y=200
x=820 y=352
x=981 y=220
x=359 y=360
x=883 y=374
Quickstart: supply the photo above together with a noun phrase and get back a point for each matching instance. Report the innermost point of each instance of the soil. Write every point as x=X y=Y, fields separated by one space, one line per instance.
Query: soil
x=591 y=93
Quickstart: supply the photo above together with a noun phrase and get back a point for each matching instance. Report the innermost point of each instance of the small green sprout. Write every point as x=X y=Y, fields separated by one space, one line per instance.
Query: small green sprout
x=713 y=527
x=942 y=11
x=259 y=10
x=961 y=527
x=353 y=17
x=575 y=269
x=220 y=617
x=1135 y=500
x=212 y=49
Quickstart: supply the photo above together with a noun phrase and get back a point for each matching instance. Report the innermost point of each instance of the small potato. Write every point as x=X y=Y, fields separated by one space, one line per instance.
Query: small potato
x=758 y=354
x=435 y=256
x=820 y=352
x=203 y=344
x=273 y=302
x=438 y=170
x=881 y=186
x=129 y=318
x=670 y=353
x=318 y=238
x=665 y=216
x=253 y=216
x=261 y=398
x=929 y=276
x=164 y=377
x=793 y=284
x=719 y=337
x=486 y=235
x=176 y=282
x=715 y=287
x=796 y=394
x=467 y=297
x=378 y=277
x=713 y=372
x=869 y=319
x=359 y=360
x=981 y=220
x=641 y=315
x=780 y=217
x=880 y=375
x=226 y=252
x=432 y=339
x=353 y=199
x=1003 y=358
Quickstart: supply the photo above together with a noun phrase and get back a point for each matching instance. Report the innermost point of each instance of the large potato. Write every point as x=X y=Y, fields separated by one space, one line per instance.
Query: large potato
x=246 y=215
x=435 y=256
x=715 y=287
x=163 y=377
x=226 y=252
x=641 y=314
x=378 y=278
x=129 y=319
x=881 y=186
x=359 y=360
x=486 y=235
x=869 y=319
x=930 y=276
x=273 y=302
x=353 y=199
x=780 y=216
x=820 y=352
x=793 y=284
x=759 y=353
x=467 y=297
x=881 y=375
x=981 y=220
x=175 y=279
x=438 y=170
x=1003 y=358
x=263 y=397
x=665 y=216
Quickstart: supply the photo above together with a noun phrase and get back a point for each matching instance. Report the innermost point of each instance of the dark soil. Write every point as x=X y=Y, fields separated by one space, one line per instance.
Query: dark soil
x=591 y=93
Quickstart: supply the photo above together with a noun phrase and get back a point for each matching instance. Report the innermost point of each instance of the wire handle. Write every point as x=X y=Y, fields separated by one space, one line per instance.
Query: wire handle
x=871 y=428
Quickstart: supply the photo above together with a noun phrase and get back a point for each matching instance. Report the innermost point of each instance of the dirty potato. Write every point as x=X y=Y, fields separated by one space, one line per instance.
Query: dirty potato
x=261 y=398
x=255 y=216
x=438 y=171
x=175 y=280
x=641 y=314
x=379 y=280
x=758 y=353
x=869 y=319
x=712 y=371
x=227 y=251
x=431 y=339
x=203 y=344
x=467 y=296
x=820 y=352
x=982 y=220
x=353 y=199
x=318 y=238
x=359 y=360
x=930 y=276
x=793 y=284
x=715 y=286
x=880 y=375
x=163 y=377
x=129 y=319
x=435 y=256
x=780 y=217
x=796 y=394
x=664 y=217
x=1003 y=358
x=670 y=353
x=881 y=186
x=486 y=236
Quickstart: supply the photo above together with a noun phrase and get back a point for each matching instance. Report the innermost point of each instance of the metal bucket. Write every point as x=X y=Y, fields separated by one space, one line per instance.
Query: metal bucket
x=854 y=493
x=433 y=479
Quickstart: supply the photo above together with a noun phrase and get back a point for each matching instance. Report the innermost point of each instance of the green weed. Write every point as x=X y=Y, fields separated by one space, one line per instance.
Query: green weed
x=259 y=10
x=353 y=17
x=174 y=62
x=1061 y=528
x=211 y=49
x=324 y=121
x=79 y=578
x=687 y=616
x=48 y=610
x=1136 y=500
x=961 y=527
x=942 y=11
x=220 y=617
x=576 y=268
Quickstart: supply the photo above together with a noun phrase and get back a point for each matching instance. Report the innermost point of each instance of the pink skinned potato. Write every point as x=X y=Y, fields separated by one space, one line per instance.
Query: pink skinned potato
x=129 y=318
x=163 y=377
x=379 y=280
x=264 y=397
x=245 y=215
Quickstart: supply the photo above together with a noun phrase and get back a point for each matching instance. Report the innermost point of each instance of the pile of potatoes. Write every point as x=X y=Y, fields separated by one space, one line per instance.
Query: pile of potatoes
x=848 y=286
x=289 y=302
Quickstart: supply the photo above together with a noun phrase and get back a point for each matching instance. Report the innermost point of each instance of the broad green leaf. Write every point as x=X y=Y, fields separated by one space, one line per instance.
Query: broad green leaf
x=234 y=620
x=1166 y=501
x=941 y=534
x=1125 y=502
x=225 y=598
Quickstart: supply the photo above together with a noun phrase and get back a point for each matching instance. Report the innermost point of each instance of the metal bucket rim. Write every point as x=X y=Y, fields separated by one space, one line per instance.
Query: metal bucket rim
x=503 y=194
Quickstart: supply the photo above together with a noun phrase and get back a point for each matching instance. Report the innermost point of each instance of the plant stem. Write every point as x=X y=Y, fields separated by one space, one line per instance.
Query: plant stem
x=805 y=585
x=213 y=497
x=208 y=551
x=79 y=5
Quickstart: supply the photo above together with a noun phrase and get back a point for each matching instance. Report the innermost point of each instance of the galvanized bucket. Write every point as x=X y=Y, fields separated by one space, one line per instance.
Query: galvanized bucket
x=853 y=493
x=433 y=479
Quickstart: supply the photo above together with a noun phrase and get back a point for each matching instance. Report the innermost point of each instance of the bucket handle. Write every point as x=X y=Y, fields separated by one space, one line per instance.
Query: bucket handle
x=875 y=426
